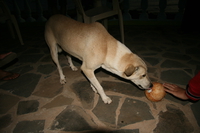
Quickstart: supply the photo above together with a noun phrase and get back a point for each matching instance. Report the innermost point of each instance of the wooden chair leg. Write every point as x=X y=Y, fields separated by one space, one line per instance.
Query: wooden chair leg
x=10 y=26
x=17 y=30
x=121 y=26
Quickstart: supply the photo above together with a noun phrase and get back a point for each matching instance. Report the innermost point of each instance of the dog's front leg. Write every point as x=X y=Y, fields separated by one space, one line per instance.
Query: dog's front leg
x=93 y=88
x=90 y=75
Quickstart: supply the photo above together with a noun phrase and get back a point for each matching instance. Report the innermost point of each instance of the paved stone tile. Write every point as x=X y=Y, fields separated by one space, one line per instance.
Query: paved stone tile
x=20 y=48
x=126 y=131
x=175 y=76
x=168 y=43
x=5 y=121
x=45 y=50
x=73 y=118
x=23 y=85
x=46 y=69
x=23 y=69
x=172 y=64
x=123 y=88
x=196 y=56
x=116 y=131
x=156 y=49
x=133 y=111
x=176 y=56
x=196 y=109
x=173 y=121
x=149 y=54
x=106 y=112
x=140 y=39
x=152 y=69
x=32 y=51
x=189 y=70
x=84 y=92
x=192 y=51
x=36 y=126
x=58 y=101
x=47 y=58
x=173 y=39
x=7 y=102
x=197 y=69
x=175 y=99
x=49 y=87
x=140 y=49
x=153 y=72
x=33 y=58
x=190 y=41
x=153 y=61
x=194 y=62
x=173 y=50
x=99 y=131
x=25 y=107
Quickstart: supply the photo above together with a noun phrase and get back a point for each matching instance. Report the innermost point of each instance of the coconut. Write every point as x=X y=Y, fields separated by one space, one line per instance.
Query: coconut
x=156 y=93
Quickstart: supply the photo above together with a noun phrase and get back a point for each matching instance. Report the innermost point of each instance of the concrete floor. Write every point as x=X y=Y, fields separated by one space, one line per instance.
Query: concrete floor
x=36 y=102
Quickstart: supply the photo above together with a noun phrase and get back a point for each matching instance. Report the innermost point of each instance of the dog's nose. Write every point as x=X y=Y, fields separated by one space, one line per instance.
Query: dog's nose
x=151 y=85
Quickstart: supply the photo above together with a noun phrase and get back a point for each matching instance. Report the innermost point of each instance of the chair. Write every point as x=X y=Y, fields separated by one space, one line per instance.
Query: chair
x=10 y=19
x=100 y=13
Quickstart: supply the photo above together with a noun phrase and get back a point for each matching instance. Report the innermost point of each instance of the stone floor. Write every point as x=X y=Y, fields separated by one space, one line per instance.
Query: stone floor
x=37 y=103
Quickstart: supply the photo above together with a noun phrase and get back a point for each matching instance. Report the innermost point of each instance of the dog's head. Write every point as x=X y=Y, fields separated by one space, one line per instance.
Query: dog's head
x=138 y=75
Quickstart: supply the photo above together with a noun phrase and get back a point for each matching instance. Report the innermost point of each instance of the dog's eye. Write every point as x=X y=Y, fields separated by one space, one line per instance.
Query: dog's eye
x=144 y=75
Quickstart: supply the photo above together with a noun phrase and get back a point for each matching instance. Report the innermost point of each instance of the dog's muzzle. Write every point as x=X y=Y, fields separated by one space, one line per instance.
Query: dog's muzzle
x=150 y=86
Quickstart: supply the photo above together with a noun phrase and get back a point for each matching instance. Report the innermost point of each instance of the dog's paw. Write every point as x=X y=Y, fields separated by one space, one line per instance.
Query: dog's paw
x=107 y=100
x=63 y=81
x=74 y=68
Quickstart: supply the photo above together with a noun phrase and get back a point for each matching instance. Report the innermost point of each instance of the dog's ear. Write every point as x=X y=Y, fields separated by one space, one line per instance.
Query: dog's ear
x=130 y=69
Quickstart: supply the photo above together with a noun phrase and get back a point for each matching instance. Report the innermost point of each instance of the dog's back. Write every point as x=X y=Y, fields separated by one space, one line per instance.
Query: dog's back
x=68 y=33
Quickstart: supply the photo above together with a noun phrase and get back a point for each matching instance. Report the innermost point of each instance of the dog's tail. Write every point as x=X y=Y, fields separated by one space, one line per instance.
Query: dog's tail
x=59 y=49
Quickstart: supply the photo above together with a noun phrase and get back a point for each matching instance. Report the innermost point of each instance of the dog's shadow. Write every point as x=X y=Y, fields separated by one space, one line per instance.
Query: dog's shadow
x=115 y=76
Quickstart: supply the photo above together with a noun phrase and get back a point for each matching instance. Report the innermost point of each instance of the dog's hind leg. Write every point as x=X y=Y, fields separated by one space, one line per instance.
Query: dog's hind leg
x=71 y=63
x=54 y=49
x=54 y=55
